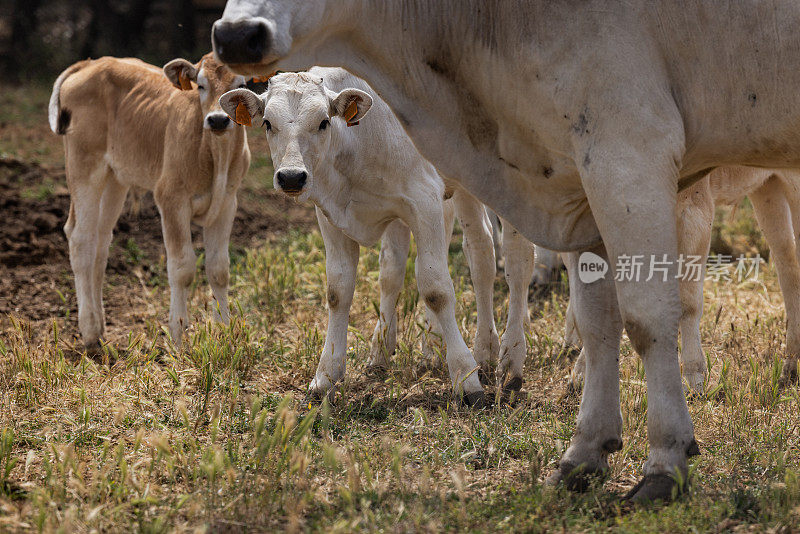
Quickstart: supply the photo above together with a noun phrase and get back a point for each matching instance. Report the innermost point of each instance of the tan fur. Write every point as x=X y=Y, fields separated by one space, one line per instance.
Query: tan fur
x=129 y=127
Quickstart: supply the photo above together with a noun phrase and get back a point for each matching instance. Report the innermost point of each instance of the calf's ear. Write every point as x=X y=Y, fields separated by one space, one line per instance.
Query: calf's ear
x=181 y=73
x=242 y=105
x=351 y=105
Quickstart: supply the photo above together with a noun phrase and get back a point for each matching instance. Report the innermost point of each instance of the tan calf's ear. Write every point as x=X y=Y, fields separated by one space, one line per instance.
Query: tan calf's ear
x=351 y=105
x=242 y=105
x=181 y=73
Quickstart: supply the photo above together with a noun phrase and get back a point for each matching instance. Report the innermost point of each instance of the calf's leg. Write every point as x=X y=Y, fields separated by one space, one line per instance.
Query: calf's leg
x=479 y=250
x=394 y=253
x=519 y=256
x=436 y=289
x=695 y=219
x=111 y=204
x=86 y=189
x=176 y=216
x=216 y=238
x=341 y=262
x=774 y=214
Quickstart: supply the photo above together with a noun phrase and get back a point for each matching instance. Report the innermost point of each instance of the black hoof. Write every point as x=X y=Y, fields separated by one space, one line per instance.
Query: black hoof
x=315 y=398
x=575 y=478
x=485 y=377
x=693 y=449
x=652 y=488
x=475 y=400
x=512 y=386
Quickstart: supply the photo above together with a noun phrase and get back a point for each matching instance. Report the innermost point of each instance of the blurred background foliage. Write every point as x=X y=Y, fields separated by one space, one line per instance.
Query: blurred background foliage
x=39 y=38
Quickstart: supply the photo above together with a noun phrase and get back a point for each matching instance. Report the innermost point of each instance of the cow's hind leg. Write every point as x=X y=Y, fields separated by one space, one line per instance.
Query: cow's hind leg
x=774 y=215
x=599 y=429
x=479 y=250
x=394 y=253
x=519 y=257
x=111 y=204
x=341 y=262
x=216 y=238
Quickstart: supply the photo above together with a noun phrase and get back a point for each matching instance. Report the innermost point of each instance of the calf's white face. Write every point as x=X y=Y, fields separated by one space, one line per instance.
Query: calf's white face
x=297 y=112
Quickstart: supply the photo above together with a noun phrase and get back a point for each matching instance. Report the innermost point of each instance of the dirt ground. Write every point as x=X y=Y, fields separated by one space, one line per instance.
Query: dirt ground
x=35 y=277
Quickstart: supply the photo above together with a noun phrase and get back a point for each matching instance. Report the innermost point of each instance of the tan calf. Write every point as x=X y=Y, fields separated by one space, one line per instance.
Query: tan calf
x=130 y=124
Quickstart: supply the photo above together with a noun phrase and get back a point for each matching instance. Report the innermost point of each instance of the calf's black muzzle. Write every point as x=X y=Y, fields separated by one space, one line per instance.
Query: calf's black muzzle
x=292 y=180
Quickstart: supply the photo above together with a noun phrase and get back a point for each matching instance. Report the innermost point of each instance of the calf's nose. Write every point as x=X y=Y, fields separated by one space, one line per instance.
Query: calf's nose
x=218 y=121
x=241 y=41
x=292 y=180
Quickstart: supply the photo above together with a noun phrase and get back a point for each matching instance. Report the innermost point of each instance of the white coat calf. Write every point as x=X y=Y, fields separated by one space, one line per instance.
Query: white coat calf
x=369 y=182
x=129 y=124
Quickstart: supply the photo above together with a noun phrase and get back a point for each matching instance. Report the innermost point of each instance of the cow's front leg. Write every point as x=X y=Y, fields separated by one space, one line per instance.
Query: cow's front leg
x=216 y=237
x=599 y=429
x=633 y=199
x=341 y=262
x=394 y=253
x=176 y=216
x=519 y=256
x=479 y=250
x=436 y=289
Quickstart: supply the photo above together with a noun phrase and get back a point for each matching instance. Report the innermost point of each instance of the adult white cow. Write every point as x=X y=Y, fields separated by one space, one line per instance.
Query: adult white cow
x=775 y=196
x=370 y=183
x=575 y=122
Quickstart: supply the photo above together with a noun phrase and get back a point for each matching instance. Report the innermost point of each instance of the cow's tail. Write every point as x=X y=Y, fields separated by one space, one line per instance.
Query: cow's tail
x=135 y=197
x=59 y=118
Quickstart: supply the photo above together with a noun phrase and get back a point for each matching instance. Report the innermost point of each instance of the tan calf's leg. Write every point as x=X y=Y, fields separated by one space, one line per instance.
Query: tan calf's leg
x=181 y=260
x=82 y=233
x=111 y=204
x=216 y=238
x=775 y=219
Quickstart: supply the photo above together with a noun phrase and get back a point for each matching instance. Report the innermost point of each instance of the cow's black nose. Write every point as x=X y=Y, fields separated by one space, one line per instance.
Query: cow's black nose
x=292 y=180
x=218 y=121
x=241 y=41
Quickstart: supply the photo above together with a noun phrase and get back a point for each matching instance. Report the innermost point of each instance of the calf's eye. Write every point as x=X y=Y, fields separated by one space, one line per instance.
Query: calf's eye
x=242 y=86
x=324 y=124
x=267 y=124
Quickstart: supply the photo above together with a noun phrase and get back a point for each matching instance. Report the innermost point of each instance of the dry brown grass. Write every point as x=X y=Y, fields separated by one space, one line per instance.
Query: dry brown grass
x=216 y=436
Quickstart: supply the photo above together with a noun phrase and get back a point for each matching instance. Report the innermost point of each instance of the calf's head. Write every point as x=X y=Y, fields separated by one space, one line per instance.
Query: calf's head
x=297 y=110
x=210 y=79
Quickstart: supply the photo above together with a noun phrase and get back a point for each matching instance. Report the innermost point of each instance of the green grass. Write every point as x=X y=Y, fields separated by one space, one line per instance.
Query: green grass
x=217 y=435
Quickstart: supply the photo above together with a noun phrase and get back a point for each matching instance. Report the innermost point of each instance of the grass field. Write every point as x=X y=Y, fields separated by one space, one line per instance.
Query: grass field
x=216 y=435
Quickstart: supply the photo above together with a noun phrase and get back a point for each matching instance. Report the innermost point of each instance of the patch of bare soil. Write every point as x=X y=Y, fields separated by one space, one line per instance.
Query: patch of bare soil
x=35 y=277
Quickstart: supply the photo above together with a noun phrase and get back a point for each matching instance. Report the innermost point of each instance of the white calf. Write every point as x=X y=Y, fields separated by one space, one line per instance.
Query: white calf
x=129 y=124
x=368 y=183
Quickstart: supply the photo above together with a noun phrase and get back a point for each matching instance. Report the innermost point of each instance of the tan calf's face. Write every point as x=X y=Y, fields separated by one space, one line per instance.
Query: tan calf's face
x=211 y=80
